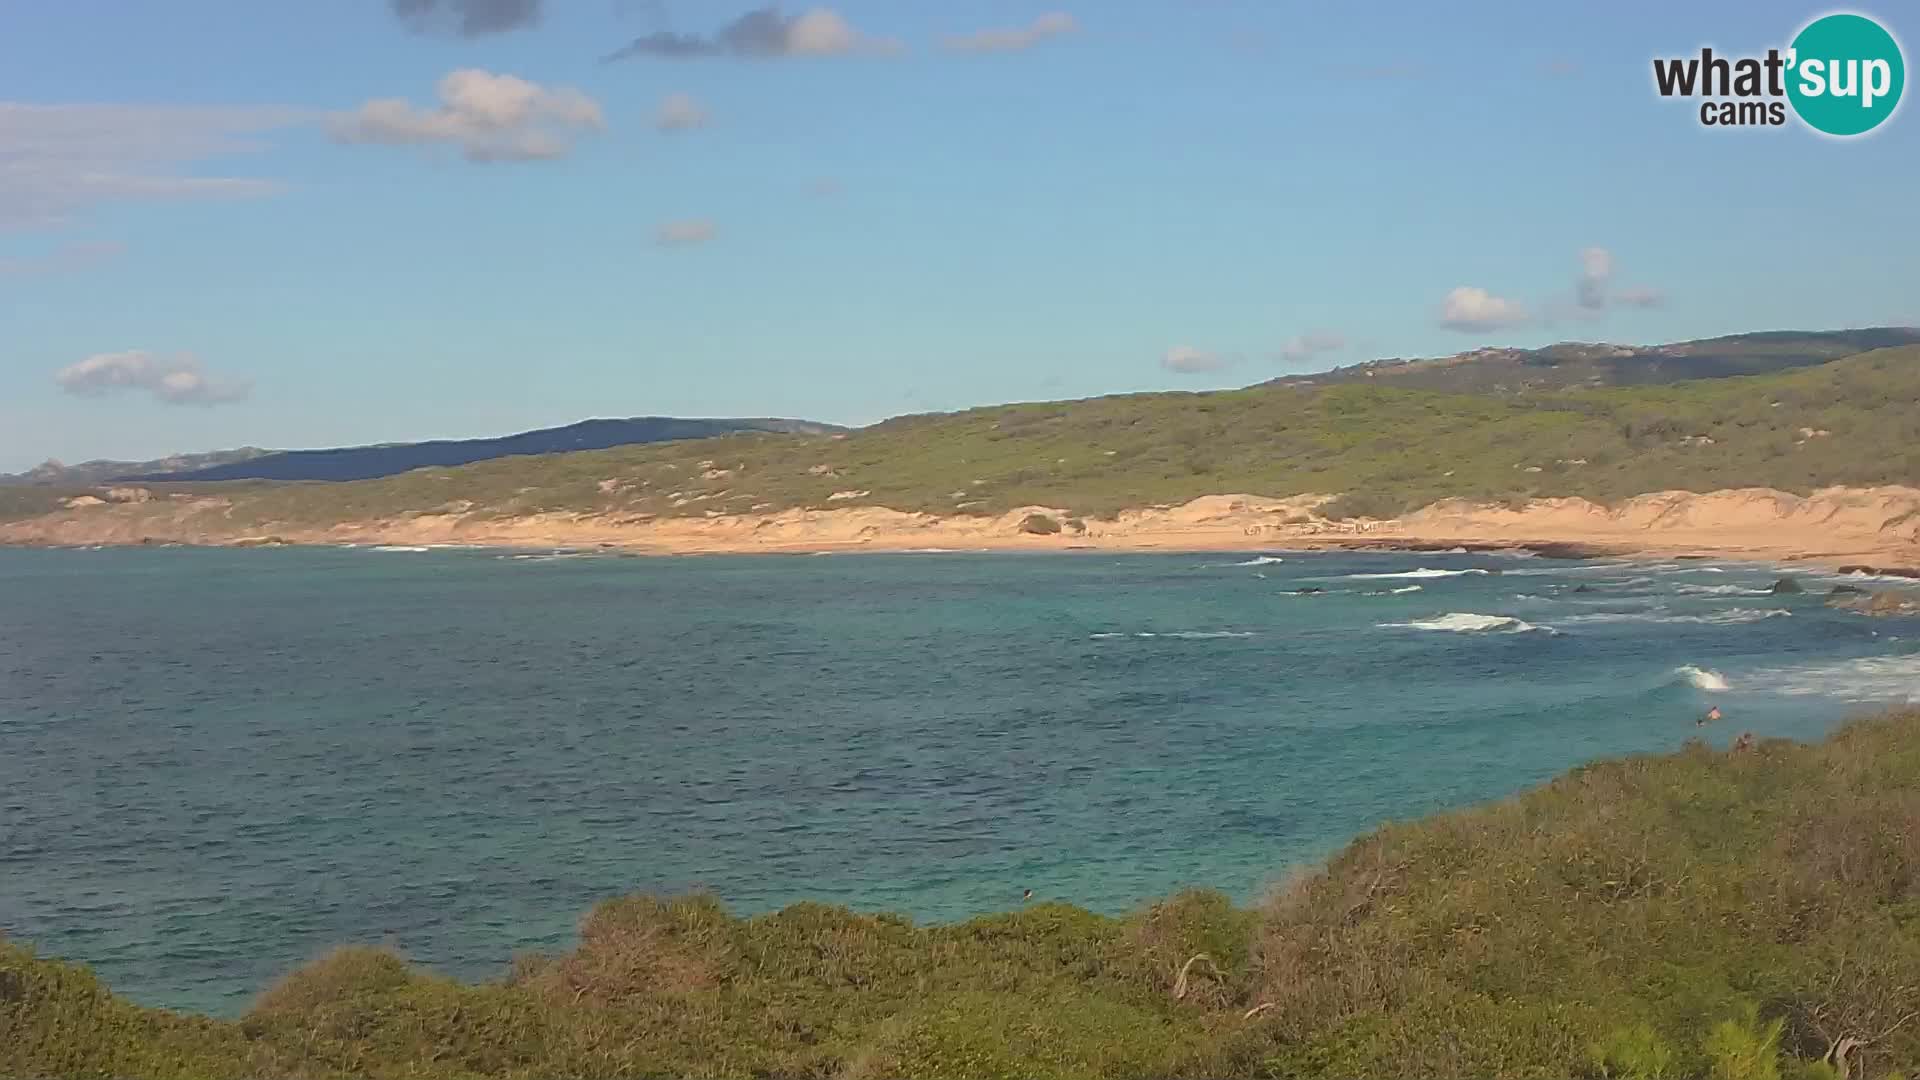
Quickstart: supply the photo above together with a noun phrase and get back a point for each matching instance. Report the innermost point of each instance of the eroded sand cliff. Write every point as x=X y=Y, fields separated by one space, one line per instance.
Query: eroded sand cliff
x=1879 y=525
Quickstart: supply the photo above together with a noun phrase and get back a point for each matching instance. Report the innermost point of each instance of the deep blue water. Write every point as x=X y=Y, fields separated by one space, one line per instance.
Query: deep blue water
x=215 y=764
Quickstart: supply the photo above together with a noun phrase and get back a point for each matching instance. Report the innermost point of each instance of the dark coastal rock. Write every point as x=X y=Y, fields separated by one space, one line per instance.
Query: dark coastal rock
x=1785 y=586
x=1845 y=590
x=1584 y=588
x=1882 y=571
x=1887 y=602
x=1569 y=550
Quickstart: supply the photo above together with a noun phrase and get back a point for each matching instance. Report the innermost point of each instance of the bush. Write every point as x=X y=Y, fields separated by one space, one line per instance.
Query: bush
x=1618 y=922
x=1039 y=525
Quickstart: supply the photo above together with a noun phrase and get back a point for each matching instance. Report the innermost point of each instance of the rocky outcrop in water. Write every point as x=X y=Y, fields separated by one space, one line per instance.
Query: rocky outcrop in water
x=1890 y=602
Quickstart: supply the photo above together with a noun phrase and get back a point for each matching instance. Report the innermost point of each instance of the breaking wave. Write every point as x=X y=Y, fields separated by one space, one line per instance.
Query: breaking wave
x=1729 y=617
x=1870 y=678
x=1467 y=622
x=1701 y=678
x=1422 y=572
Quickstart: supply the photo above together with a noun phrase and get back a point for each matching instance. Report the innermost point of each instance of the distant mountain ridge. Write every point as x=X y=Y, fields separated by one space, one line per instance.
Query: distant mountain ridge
x=88 y=473
x=372 y=462
x=388 y=459
x=1569 y=364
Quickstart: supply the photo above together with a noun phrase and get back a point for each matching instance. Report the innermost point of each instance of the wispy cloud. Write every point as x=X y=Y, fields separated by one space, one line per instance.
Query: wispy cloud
x=489 y=117
x=467 y=18
x=175 y=380
x=1305 y=347
x=680 y=112
x=59 y=161
x=63 y=259
x=1471 y=309
x=1594 y=290
x=1191 y=360
x=1053 y=24
x=761 y=34
x=686 y=232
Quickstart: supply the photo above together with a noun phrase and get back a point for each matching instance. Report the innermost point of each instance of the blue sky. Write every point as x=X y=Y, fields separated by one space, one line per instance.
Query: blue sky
x=868 y=208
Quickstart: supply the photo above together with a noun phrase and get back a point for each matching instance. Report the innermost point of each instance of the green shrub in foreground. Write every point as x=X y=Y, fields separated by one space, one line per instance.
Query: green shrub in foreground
x=1698 y=915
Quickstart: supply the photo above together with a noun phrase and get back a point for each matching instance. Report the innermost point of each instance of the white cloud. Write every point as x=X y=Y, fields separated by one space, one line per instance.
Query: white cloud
x=60 y=161
x=1470 y=308
x=685 y=233
x=680 y=112
x=1594 y=289
x=1189 y=360
x=762 y=34
x=489 y=117
x=1304 y=347
x=176 y=380
x=1051 y=25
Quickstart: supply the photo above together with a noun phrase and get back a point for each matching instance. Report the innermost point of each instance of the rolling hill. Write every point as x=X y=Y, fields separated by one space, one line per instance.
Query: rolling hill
x=1381 y=448
x=1571 y=364
x=59 y=474
x=386 y=459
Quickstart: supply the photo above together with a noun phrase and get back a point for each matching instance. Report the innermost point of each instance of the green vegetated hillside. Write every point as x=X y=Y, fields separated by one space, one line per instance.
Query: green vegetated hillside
x=1576 y=363
x=1854 y=421
x=1738 y=915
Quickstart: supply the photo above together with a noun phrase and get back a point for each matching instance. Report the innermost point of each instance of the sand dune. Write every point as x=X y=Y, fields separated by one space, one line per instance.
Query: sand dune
x=1878 y=525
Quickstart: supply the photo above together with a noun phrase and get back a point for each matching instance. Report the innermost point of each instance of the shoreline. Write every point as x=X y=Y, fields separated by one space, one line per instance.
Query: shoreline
x=1874 y=529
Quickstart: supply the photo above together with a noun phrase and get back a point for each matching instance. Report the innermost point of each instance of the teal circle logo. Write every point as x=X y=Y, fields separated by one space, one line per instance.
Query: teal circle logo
x=1845 y=74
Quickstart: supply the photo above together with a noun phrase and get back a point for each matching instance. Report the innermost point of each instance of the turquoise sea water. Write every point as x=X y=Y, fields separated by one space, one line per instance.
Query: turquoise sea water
x=216 y=764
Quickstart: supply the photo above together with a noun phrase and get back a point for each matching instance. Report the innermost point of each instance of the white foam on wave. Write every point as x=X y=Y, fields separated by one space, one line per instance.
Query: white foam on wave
x=1577 y=568
x=1468 y=622
x=1261 y=560
x=1721 y=590
x=1702 y=678
x=399 y=547
x=1407 y=589
x=1870 y=678
x=1422 y=572
x=1729 y=617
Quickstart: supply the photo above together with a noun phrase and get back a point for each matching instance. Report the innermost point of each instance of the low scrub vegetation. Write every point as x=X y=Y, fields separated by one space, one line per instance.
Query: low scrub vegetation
x=1852 y=421
x=1743 y=915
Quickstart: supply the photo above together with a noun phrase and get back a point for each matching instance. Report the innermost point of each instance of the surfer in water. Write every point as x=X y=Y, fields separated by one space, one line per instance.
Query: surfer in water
x=1712 y=715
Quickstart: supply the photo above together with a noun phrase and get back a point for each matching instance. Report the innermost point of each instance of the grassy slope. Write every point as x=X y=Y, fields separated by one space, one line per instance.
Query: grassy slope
x=1570 y=364
x=1685 y=909
x=1391 y=449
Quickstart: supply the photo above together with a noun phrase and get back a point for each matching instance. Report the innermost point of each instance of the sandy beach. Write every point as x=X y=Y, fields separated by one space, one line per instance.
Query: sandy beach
x=1877 y=526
